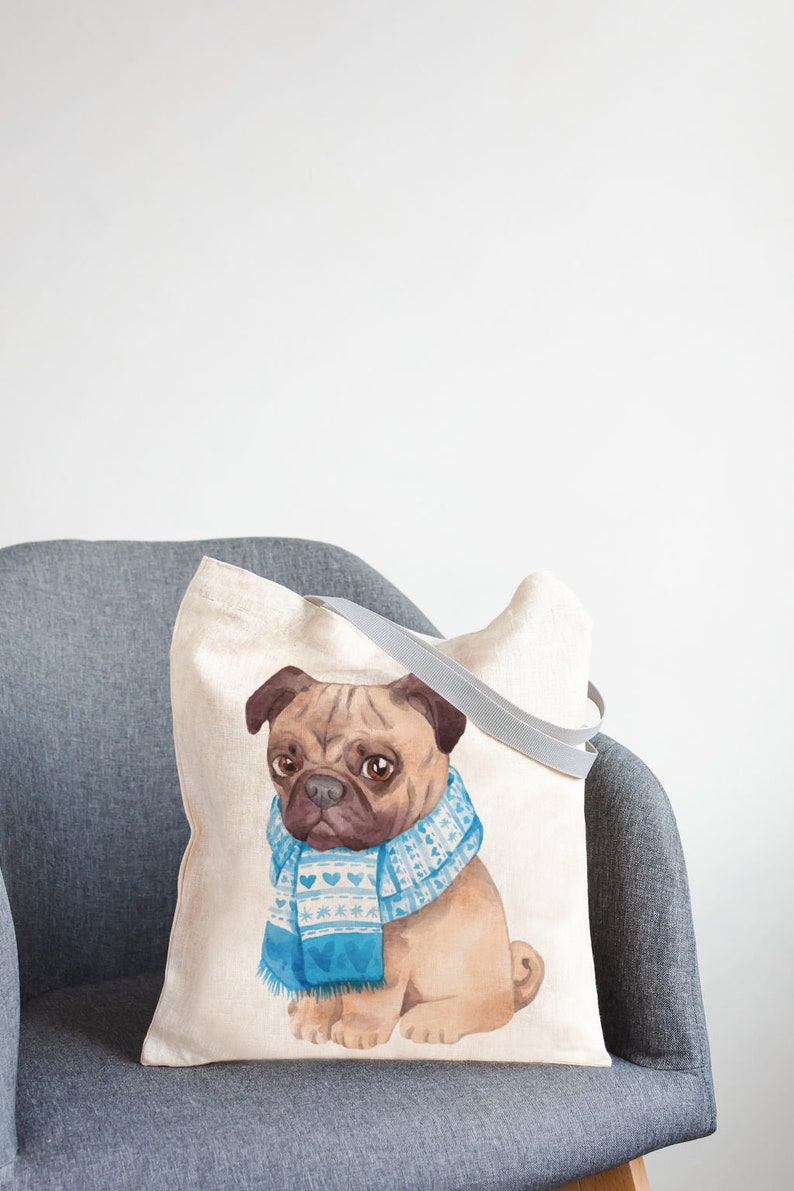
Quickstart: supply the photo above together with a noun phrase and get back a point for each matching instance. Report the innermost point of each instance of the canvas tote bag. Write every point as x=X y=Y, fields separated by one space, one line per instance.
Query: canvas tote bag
x=387 y=853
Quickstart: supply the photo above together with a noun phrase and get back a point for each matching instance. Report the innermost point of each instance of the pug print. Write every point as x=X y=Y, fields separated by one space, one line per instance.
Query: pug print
x=382 y=911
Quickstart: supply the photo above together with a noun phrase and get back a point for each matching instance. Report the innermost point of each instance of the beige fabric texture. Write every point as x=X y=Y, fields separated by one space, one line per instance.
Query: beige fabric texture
x=235 y=629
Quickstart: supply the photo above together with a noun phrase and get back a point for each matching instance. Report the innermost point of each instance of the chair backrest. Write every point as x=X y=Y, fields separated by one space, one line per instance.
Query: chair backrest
x=92 y=828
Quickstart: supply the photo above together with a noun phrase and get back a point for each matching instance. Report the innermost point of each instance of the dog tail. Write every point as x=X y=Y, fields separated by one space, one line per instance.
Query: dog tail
x=528 y=972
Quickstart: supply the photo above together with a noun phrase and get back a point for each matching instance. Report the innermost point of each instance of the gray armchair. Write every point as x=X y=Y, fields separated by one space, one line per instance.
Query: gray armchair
x=92 y=836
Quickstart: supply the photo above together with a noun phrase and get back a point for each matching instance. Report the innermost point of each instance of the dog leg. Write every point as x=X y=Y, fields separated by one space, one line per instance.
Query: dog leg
x=311 y=1018
x=449 y=1019
x=368 y=1018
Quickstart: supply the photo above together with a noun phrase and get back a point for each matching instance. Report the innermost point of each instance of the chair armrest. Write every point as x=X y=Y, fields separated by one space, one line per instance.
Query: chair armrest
x=640 y=918
x=9 y=1030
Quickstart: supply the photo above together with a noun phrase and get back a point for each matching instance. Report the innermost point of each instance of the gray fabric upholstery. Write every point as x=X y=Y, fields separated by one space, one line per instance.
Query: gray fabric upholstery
x=91 y=835
x=9 y=1030
x=92 y=828
x=90 y=1117
x=640 y=918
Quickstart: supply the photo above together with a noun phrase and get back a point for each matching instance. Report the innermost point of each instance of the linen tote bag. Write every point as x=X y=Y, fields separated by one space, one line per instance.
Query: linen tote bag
x=387 y=849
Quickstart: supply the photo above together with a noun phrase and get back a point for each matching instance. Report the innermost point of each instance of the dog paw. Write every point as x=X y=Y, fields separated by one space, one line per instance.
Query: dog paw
x=311 y=1021
x=361 y=1032
x=422 y=1024
x=307 y=1032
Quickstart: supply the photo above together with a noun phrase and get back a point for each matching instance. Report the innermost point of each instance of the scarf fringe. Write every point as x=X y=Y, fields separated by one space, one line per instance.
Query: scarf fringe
x=320 y=992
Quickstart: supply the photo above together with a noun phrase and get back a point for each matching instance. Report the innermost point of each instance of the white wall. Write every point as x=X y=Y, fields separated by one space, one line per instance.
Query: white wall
x=472 y=289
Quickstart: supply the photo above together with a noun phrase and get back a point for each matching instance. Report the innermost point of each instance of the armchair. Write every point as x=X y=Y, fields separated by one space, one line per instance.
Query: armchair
x=92 y=832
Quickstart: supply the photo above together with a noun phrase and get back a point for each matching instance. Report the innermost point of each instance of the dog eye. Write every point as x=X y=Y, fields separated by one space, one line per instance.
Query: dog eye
x=284 y=765
x=378 y=769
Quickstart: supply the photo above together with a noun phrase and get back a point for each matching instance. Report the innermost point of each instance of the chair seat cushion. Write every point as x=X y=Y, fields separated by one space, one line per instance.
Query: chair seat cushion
x=90 y=1116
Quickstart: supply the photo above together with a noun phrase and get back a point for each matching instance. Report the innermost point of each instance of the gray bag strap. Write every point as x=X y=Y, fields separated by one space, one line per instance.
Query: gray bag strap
x=548 y=743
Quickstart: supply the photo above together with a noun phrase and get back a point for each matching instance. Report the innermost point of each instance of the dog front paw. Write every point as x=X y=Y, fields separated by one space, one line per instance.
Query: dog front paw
x=311 y=1020
x=359 y=1031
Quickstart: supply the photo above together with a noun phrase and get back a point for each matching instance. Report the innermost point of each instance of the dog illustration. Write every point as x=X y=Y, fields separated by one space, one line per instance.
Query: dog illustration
x=360 y=768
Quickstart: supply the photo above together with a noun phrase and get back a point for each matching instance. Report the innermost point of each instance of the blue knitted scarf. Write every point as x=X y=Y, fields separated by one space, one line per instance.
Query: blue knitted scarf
x=324 y=933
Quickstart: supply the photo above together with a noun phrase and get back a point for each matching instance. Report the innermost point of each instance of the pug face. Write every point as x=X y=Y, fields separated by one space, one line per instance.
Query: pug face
x=354 y=765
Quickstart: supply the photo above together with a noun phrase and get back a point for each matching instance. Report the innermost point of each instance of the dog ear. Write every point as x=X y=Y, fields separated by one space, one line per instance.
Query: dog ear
x=274 y=695
x=447 y=722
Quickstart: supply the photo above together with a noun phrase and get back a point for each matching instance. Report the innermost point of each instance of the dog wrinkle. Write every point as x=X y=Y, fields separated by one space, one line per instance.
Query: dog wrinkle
x=384 y=722
x=337 y=698
x=368 y=723
x=324 y=737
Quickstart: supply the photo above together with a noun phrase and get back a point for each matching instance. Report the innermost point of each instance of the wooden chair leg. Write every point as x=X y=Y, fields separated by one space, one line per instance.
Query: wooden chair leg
x=629 y=1177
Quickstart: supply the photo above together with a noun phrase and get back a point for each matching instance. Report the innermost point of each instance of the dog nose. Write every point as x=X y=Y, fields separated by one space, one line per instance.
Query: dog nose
x=324 y=791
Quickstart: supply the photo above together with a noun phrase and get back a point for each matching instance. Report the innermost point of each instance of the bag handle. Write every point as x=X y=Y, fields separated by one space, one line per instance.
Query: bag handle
x=548 y=743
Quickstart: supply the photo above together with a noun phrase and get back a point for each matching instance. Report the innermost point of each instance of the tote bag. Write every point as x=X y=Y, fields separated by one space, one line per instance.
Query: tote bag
x=387 y=850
